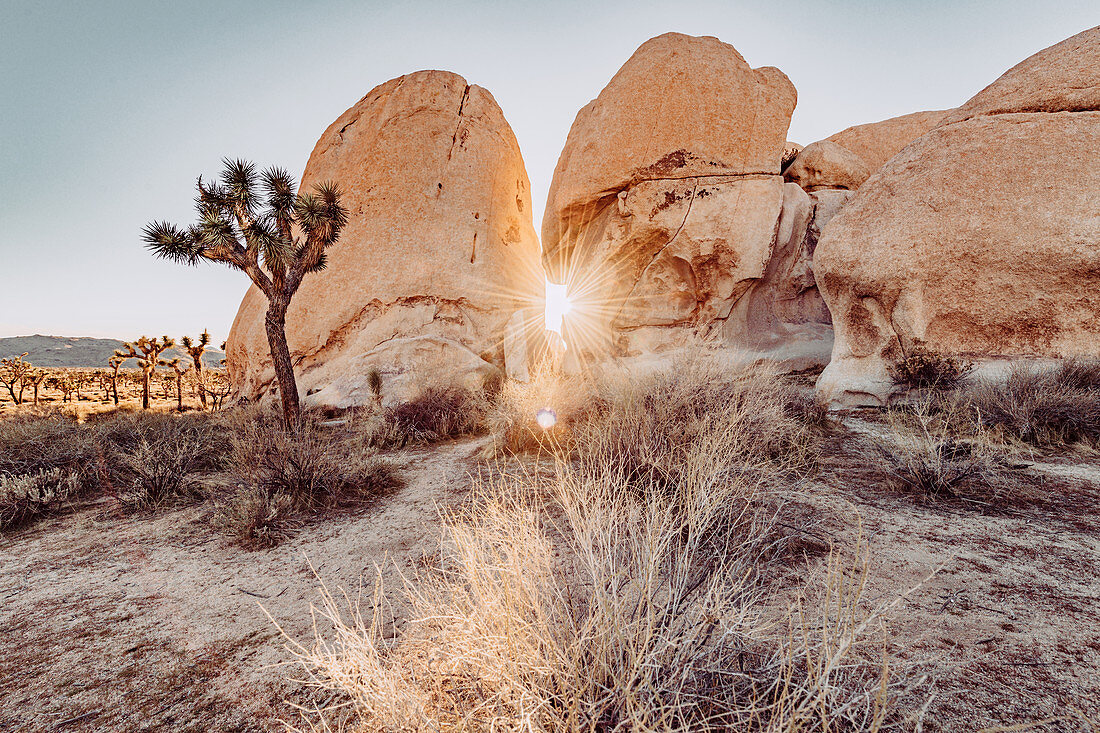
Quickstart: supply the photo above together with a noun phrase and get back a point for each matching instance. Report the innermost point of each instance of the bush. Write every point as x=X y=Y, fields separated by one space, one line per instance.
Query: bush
x=26 y=497
x=156 y=459
x=646 y=426
x=1047 y=408
x=282 y=476
x=923 y=368
x=435 y=414
x=47 y=462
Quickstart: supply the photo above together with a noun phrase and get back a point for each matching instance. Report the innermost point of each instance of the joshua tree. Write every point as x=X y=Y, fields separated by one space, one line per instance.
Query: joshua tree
x=196 y=349
x=63 y=383
x=259 y=223
x=180 y=371
x=115 y=362
x=34 y=380
x=147 y=351
x=13 y=371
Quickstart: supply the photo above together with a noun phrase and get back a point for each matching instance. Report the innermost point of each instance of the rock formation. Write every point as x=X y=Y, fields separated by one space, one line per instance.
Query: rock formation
x=845 y=160
x=980 y=238
x=439 y=251
x=667 y=205
x=826 y=164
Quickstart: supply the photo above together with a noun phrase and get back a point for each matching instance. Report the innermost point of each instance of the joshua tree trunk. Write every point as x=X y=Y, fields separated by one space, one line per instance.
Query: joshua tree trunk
x=275 y=324
x=145 y=387
x=179 y=391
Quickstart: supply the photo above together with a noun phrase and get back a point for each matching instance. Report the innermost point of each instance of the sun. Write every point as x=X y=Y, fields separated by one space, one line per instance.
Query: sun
x=558 y=306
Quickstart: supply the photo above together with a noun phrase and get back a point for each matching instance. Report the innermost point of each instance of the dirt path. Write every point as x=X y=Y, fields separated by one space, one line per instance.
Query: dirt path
x=122 y=623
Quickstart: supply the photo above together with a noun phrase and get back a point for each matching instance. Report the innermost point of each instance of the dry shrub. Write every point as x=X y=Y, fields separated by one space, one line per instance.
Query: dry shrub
x=1047 y=408
x=923 y=368
x=47 y=462
x=435 y=414
x=626 y=413
x=921 y=455
x=646 y=427
x=283 y=476
x=592 y=603
x=512 y=418
x=28 y=496
x=157 y=459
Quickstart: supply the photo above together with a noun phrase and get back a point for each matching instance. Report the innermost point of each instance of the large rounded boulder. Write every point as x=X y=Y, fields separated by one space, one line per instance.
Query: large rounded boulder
x=438 y=253
x=666 y=204
x=981 y=238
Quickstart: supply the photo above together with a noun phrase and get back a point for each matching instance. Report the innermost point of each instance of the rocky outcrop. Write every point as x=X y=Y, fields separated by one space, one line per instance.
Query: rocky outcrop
x=667 y=206
x=877 y=142
x=848 y=158
x=825 y=164
x=980 y=238
x=439 y=251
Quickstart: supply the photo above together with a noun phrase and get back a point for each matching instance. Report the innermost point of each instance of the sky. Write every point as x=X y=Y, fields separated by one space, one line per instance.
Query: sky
x=110 y=110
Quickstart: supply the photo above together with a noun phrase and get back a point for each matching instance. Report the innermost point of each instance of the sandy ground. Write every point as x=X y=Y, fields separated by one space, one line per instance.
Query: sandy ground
x=121 y=623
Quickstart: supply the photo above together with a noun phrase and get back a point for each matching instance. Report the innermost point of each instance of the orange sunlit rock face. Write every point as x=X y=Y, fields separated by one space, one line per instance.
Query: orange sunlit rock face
x=438 y=254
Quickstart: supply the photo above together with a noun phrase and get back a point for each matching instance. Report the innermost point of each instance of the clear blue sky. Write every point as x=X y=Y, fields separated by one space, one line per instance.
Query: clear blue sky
x=109 y=110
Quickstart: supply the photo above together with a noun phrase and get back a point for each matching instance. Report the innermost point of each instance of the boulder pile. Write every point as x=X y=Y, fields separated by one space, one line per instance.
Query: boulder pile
x=680 y=215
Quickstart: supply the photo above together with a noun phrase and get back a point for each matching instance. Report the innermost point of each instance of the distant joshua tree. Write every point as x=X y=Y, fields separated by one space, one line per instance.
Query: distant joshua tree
x=34 y=380
x=147 y=351
x=13 y=372
x=261 y=224
x=196 y=349
x=115 y=362
x=179 y=370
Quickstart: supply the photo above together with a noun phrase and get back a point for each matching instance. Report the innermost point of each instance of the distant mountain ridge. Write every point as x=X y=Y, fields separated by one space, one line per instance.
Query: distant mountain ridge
x=83 y=351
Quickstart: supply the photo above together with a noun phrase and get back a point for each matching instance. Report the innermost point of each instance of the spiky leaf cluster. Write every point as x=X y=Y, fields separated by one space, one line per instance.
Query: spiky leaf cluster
x=256 y=222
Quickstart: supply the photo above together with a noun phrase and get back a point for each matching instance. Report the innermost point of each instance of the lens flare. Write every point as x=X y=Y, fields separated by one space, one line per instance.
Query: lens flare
x=546 y=418
x=558 y=306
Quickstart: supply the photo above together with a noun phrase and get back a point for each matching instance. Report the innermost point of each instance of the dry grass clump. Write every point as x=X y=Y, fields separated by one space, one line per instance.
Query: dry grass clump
x=921 y=455
x=646 y=427
x=612 y=599
x=28 y=496
x=47 y=462
x=281 y=477
x=157 y=459
x=513 y=417
x=626 y=413
x=435 y=414
x=1048 y=408
x=923 y=368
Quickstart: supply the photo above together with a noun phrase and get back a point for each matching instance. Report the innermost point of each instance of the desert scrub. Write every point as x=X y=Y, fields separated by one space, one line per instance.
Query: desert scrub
x=588 y=601
x=433 y=415
x=924 y=368
x=29 y=496
x=281 y=477
x=154 y=459
x=513 y=418
x=47 y=462
x=1049 y=408
x=644 y=426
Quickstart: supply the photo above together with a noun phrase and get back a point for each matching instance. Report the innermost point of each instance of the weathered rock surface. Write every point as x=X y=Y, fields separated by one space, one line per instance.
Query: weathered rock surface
x=667 y=204
x=825 y=164
x=439 y=251
x=1062 y=78
x=980 y=238
x=877 y=142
